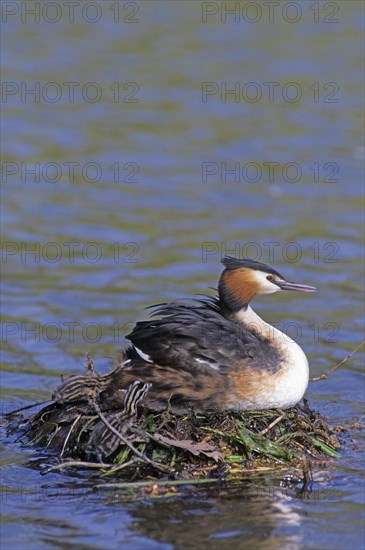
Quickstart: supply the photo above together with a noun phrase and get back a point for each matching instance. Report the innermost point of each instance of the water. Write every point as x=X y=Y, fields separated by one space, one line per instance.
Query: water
x=145 y=214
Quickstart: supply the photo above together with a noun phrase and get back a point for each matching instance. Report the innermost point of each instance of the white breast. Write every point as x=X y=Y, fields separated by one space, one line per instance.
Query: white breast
x=291 y=381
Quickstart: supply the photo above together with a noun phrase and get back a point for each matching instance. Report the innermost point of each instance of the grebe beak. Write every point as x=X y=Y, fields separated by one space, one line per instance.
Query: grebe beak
x=286 y=285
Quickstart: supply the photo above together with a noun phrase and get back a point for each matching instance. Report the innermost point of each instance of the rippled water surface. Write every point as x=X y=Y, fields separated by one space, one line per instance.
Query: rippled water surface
x=149 y=148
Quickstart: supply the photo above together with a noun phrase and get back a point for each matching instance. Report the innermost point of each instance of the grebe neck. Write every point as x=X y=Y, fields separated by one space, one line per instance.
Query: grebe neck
x=252 y=322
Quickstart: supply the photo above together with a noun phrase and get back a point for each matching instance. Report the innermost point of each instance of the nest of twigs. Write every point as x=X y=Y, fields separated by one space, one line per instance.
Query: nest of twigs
x=164 y=445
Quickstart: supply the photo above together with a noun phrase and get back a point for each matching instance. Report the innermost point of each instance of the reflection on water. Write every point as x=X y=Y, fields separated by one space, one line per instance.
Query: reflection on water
x=246 y=516
x=135 y=198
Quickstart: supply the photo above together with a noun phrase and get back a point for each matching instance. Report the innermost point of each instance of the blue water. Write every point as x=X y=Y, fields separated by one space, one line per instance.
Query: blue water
x=164 y=141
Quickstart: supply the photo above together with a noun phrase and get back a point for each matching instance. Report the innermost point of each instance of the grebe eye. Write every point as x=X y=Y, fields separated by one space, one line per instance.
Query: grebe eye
x=269 y=277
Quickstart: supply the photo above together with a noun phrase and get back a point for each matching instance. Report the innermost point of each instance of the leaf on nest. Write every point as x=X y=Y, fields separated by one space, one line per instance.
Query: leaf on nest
x=258 y=443
x=194 y=448
x=322 y=446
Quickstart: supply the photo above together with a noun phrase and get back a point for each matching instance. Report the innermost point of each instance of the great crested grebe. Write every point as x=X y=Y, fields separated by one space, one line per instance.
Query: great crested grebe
x=210 y=353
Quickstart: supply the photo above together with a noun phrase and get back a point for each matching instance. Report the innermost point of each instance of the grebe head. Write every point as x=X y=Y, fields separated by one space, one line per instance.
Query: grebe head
x=243 y=279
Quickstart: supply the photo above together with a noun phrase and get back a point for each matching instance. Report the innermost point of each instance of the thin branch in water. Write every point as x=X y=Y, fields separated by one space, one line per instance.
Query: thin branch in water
x=97 y=465
x=78 y=464
x=325 y=375
x=28 y=407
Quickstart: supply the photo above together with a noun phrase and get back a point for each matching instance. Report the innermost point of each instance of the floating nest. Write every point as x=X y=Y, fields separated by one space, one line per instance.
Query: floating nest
x=134 y=443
